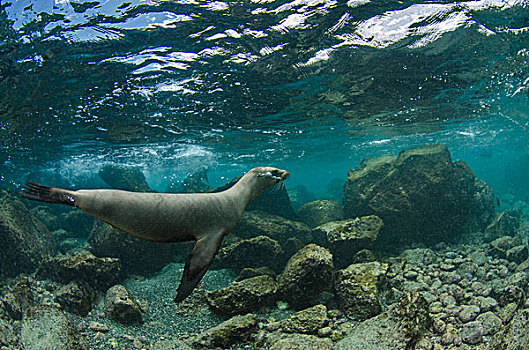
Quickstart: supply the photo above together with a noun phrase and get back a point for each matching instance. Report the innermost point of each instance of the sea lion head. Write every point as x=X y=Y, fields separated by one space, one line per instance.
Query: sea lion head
x=270 y=175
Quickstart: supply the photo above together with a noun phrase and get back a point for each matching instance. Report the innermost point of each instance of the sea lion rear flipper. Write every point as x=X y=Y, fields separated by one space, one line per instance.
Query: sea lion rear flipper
x=198 y=263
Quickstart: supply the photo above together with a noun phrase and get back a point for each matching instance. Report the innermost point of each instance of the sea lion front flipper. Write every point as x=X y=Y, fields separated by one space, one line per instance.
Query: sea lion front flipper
x=198 y=263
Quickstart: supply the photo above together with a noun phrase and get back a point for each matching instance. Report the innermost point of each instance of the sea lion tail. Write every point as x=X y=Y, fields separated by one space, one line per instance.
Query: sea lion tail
x=47 y=194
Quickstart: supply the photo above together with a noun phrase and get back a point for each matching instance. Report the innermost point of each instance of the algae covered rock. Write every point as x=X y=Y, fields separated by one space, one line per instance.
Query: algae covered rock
x=308 y=273
x=514 y=335
x=502 y=225
x=76 y=297
x=254 y=252
x=97 y=272
x=236 y=329
x=253 y=224
x=25 y=241
x=348 y=237
x=244 y=296
x=319 y=212
x=307 y=321
x=18 y=299
x=357 y=289
x=136 y=255
x=281 y=341
x=121 y=306
x=49 y=328
x=420 y=195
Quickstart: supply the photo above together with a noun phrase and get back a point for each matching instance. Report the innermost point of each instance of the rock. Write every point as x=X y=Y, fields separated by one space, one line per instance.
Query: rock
x=279 y=341
x=357 y=289
x=490 y=323
x=124 y=178
x=308 y=273
x=98 y=327
x=500 y=246
x=170 y=344
x=468 y=313
x=69 y=245
x=253 y=224
x=8 y=336
x=420 y=188
x=274 y=200
x=400 y=327
x=97 y=272
x=136 y=255
x=363 y=256
x=307 y=321
x=513 y=335
x=471 y=332
x=236 y=329
x=121 y=306
x=18 y=299
x=320 y=212
x=517 y=254
x=28 y=239
x=76 y=297
x=250 y=272
x=254 y=252
x=503 y=224
x=244 y=296
x=49 y=328
x=300 y=195
x=348 y=237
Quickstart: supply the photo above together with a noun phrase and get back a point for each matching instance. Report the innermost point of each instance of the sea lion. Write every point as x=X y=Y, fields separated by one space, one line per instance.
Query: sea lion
x=167 y=217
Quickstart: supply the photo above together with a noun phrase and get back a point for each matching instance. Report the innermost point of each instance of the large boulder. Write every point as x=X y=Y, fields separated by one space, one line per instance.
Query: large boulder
x=136 y=255
x=348 y=237
x=358 y=289
x=319 y=212
x=253 y=224
x=236 y=329
x=308 y=273
x=242 y=297
x=420 y=195
x=514 y=335
x=49 y=328
x=100 y=273
x=307 y=321
x=121 y=306
x=250 y=253
x=25 y=241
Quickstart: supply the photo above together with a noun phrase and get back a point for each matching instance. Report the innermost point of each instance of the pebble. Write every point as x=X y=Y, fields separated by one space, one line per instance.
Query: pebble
x=486 y=303
x=325 y=332
x=410 y=274
x=98 y=327
x=472 y=332
x=439 y=326
x=490 y=322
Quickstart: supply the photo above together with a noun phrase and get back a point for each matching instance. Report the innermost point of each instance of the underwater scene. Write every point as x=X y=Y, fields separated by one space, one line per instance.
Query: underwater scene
x=264 y=174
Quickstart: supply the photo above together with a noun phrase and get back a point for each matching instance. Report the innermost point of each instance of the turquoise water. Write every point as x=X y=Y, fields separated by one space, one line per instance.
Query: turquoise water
x=312 y=86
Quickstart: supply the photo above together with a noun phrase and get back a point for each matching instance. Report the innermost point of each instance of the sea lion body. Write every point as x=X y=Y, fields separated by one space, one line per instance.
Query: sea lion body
x=166 y=217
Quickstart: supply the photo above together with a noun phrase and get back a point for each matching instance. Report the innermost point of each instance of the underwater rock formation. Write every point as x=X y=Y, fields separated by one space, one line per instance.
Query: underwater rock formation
x=308 y=273
x=121 y=306
x=124 y=178
x=502 y=225
x=76 y=297
x=420 y=195
x=348 y=237
x=307 y=321
x=100 y=273
x=400 y=327
x=514 y=335
x=244 y=296
x=236 y=329
x=247 y=253
x=49 y=328
x=18 y=299
x=136 y=255
x=357 y=289
x=253 y=224
x=320 y=212
x=25 y=240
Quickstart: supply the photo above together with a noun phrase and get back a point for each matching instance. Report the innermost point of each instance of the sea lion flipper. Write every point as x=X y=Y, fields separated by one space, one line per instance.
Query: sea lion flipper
x=198 y=262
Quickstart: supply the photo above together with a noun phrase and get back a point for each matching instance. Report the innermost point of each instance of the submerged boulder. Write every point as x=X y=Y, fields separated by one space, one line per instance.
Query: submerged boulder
x=49 y=328
x=308 y=273
x=236 y=329
x=121 y=306
x=136 y=255
x=307 y=321
x=76 y=297
x=348 y=237
x=100 y=273
x=253 y=224
x=420 y=195
x=320 y=212
x=357 y=289
x=244 y=296
x=25 y=241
